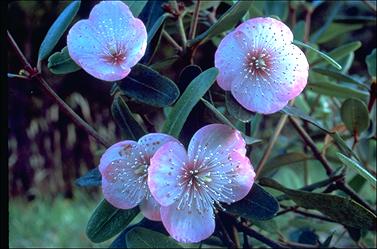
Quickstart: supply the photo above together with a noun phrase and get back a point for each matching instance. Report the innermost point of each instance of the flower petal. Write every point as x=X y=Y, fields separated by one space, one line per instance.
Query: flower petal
x=115 y=152
x=164 y=171
x=121 y=186
x=229 y=58
x=188 y=225
x=231 y=178
x=150 y=208
x=215 y=141
x=153 y=141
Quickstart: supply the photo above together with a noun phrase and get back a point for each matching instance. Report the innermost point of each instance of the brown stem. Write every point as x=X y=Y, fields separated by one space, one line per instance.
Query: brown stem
x=194 y=21
x=252 y=233
x=171 y=41
x=308 y=214
x=227 y=240
x=34 y=73
x=308 y=19
x=271 y=144
x=340 y=184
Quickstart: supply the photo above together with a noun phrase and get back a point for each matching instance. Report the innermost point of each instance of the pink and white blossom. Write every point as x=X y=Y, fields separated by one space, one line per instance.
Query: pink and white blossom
x=190 y=184
x=124 y=170
x=261 y=67
x=109 y=43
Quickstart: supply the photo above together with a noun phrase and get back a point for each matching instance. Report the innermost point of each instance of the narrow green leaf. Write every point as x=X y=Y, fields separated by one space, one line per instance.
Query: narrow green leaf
x=337 y=29
x=339 y=76
x=370 y=60
x=339 y=52
x=148 y=86
x=140 y=237
x=92 y=178
x=355 y=115
x=248 y=140
x=107 y=221
x=322 y=54
x=336 y=90
x=258 y=204
x=136 y=6
x=61 y=63
x=228 y=20
x=236 y=110
x=336 y=207
x=190 y=97
x=57 y=29
x=123 y=116
x=357 y=167
x=282 y=160
x=156 y=27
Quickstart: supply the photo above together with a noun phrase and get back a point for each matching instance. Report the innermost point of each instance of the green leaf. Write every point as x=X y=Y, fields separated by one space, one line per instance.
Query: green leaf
x=140 y=237
x=277 y=8
x=190 y=97
x=355 y=115
x=156 y=28
x=107 y=221
x=148 y=86
x=357 y=167
x=339 y=52
x=337 y=29
x=61 y=63
x=123 y=116
x=248 y=140
x=339 y=76
x=57 y=29
x=336 y=207
x=236 y=110
x=92 y=178
x=227 y=21
x=322 y=54
x=282 y=160
x=336 y=90
x=258 y=204
x=370 y=60
x=136 y=6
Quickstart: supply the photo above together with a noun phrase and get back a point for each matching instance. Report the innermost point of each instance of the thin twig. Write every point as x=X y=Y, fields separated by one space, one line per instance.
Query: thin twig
x=308 y=19
x=76 y=119
x=271 y=144
x=171 y=41
x=194 y=20
x=252 y=233
x=295 y=209
x=227 y=240
x=340 y=184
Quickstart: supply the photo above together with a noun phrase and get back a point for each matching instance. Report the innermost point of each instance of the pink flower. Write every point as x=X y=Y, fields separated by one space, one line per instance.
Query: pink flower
x=189 y=185
x=261 y=67
x=124 y=170
x=109 y=43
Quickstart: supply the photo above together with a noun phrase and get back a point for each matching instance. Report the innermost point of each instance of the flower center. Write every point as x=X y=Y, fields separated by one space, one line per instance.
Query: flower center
x=115 y=55
x=257 y=64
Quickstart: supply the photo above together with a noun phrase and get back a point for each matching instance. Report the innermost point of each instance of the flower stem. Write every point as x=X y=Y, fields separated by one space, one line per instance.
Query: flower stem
x=171 y=41
x=76 y=119
x=194 y=21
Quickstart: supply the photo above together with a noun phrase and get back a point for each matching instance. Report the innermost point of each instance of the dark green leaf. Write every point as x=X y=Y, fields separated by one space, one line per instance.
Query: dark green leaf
x=277 y=8
x=355 y=233
x=136 y=6
x=322 y=54
x=336 y=207
x=339 y=76
x=156 y=27
x=308 y=236
x=257 y=205
x=236 y=110
x=140 y=237
x=162 y=64
x=370 y=60
x=340 y=52
x=327 y=242
x=131 y=129
x=282 y=160
x=336 y=90
x=337 y=29
x=333 y=10
x=149 y=87
x=358 y=168
x=296 y=112
x=92 y=178
x=299 y=30
x=151 y=13
x=355 y=115
x=190 y=97
x=248 y=140
x=61 y=63
x=107 y=221
x=57 y=29
x=227 y=21
x=187 y=74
